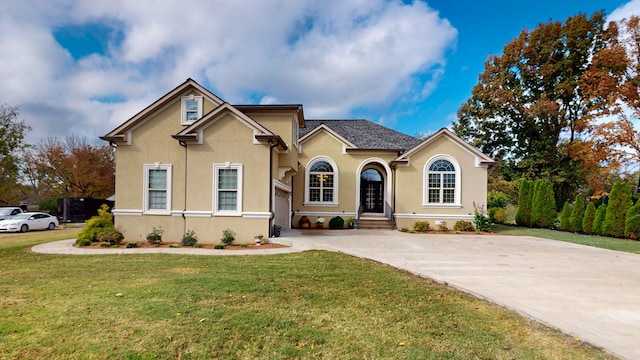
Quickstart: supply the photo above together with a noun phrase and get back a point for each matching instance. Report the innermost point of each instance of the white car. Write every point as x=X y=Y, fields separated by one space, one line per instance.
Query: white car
x=28 y=221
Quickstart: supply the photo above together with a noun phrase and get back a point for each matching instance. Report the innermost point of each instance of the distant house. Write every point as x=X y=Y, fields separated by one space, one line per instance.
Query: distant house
x=191 y=161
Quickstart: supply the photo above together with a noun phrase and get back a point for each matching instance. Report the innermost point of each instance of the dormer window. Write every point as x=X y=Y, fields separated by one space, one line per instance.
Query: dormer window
x=191 y=109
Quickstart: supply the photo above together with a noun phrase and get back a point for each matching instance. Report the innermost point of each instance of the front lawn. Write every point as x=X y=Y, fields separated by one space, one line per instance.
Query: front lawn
x=632 y=246
x=304 y=305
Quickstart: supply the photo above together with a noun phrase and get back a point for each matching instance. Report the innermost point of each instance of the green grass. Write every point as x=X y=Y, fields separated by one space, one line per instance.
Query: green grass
x=604 y=242
x=297 y=306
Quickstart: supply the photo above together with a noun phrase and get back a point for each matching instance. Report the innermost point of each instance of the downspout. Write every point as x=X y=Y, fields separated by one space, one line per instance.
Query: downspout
x=184 y=218
x=271 y=214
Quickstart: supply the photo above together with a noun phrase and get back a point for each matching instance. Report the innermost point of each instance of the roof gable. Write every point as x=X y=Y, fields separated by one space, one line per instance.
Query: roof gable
x=194 y=133
x=122 y=132
x=360 y=134
x=480 y=158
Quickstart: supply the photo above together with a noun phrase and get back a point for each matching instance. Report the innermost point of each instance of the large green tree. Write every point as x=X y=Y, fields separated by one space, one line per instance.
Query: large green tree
x=12 y=144
x=529 y=107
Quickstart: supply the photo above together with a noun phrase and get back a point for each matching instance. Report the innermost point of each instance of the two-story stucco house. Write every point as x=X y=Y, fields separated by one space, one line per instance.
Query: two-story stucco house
x=191 y=161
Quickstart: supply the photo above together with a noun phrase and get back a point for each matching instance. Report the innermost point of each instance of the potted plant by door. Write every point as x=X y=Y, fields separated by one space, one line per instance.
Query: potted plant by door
x=304 y=222
x=351 y=223
x=320 y=223
x=276 y=230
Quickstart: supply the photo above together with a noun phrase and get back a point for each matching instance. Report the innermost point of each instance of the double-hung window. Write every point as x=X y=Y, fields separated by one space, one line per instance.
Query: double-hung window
x=191 y=109
x=442 y=183
x=227 y=189
x=157 y=189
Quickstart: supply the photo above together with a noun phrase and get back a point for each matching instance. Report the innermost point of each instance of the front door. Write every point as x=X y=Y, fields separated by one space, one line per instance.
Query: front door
x=372 y=191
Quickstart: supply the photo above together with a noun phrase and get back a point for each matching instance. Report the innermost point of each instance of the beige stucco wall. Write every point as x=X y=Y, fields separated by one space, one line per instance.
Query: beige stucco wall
x=323 y=144
x=410 y=186
x=226 y=140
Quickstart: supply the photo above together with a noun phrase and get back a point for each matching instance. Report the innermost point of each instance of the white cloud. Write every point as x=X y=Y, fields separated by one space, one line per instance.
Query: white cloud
x=625 y=11
x=332 y=59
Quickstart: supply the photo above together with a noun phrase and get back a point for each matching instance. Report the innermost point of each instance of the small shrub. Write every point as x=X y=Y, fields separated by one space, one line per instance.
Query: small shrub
x=228 y=237
x=104 y=244
x=421 y=226
x=404 y=229
x=155 y=236
x=497 y=199
x=443 y=226
x=218 y=246
x=131 y=245
x=462 y=225
x=189 y=238
x=96 y=224
x=481 y=220
x=83 y=242
x=174 y=245
x=110 y=235
x=498 y=215
x=197 y=246
x=336 y=223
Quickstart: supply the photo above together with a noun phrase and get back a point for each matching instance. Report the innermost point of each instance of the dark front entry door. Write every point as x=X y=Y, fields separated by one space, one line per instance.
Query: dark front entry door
x=372 y=191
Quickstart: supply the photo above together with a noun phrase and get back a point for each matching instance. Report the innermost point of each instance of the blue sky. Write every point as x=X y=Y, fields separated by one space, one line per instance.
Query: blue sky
x=84 y=67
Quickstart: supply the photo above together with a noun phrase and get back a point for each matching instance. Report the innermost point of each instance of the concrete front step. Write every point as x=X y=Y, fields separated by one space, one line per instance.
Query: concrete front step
x=377 y=224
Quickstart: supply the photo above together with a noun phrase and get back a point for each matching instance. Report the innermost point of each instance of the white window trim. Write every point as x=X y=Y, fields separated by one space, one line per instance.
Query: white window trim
x=145 y=195
x=216 y=168
x=336 y=182
x=425 y=184
x=183 y=108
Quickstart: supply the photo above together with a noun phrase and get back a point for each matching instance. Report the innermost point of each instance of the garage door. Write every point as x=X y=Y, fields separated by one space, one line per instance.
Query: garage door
x=282 y=209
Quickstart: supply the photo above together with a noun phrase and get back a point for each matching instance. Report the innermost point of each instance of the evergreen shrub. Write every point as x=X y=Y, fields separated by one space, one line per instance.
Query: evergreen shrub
x=632 y=222
x=543 y=205
x=601 y=213
x=565 y=215
x=525 y=196
x=577 y=214
x=589 y=216
x=619 y=204
x=96 y=224
x=336 y=223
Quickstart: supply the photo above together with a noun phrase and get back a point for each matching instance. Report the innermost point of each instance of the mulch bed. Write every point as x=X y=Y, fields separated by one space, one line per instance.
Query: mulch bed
x=146 y=244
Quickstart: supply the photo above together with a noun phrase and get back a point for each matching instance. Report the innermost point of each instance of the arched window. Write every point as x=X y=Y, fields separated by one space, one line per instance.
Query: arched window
x=321 y=182
x=442 y=182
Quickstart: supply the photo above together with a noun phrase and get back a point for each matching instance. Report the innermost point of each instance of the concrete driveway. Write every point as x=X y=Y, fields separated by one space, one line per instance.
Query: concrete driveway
x=590 y=293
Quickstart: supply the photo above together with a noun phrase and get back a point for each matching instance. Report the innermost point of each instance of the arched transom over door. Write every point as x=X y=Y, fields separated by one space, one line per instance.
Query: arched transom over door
x=372 y=191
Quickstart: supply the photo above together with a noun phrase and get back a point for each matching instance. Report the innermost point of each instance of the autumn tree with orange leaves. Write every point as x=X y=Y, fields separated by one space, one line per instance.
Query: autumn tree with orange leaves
x=529 y=109
x=71 y=168
x=613 y=83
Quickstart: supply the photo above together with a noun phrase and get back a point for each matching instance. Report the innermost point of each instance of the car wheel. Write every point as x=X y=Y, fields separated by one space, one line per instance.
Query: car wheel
x=51 y=226
x=24 y=228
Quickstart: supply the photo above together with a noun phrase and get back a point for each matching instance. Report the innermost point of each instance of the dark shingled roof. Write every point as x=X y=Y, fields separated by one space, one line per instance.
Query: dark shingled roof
x=365 y=134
